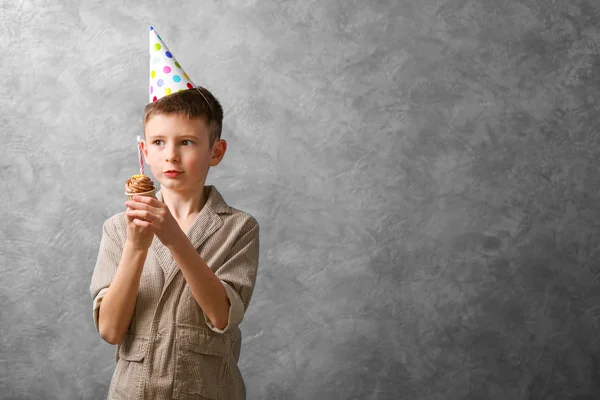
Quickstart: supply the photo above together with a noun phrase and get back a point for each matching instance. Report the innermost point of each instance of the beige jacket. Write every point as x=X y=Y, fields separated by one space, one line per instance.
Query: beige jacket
x=172 y=350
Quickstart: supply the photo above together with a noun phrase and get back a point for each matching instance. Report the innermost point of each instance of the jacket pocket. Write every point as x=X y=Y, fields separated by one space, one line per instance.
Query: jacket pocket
x=128 y=372
x=133 y=348
x=199 y=363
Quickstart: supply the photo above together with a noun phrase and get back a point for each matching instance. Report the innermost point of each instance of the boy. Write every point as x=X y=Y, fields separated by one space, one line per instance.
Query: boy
x=175 y=273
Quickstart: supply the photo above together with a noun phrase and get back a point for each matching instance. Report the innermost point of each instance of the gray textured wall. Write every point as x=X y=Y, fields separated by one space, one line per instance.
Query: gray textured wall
x=424 y=172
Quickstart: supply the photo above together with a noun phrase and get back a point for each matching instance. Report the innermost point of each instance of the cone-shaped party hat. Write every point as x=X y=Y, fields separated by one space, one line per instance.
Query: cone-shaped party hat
x=166 y=74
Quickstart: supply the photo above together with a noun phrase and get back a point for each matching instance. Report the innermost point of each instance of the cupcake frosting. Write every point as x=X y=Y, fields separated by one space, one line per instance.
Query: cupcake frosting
x=139 y=184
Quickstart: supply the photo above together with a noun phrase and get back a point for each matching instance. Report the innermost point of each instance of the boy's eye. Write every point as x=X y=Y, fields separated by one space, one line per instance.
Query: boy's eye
x=156 y=142
x=186 y=142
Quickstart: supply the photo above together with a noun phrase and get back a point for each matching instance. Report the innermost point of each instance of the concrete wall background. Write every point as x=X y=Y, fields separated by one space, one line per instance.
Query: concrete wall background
x=424 y=172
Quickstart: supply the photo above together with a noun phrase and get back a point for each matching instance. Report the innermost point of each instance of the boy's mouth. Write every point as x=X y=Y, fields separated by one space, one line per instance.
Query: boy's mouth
x=172 y=173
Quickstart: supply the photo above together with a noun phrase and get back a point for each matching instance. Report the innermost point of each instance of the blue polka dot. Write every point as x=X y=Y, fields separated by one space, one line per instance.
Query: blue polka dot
x=176 y=78
x=159 y=83
x=169 y=54
x=151 y=28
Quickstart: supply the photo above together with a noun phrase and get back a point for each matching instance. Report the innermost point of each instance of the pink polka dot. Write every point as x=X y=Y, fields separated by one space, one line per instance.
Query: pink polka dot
x=166 y=69
x=151 y=89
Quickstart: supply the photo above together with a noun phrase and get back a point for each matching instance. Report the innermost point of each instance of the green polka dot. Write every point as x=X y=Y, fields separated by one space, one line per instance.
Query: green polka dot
x=157 y=46
x=177 y=64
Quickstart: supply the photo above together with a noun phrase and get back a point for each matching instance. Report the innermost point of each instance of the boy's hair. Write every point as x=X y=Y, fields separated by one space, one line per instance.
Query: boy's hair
x=191 y=103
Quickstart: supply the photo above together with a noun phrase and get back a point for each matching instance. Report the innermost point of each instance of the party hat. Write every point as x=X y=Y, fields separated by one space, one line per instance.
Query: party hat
x=166 y=74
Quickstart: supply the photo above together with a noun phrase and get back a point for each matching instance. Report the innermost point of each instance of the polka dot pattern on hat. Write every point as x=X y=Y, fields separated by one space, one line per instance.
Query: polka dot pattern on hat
x=166 y=74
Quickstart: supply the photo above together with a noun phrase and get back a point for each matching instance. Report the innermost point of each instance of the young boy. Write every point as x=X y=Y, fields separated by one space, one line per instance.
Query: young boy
x=175 y=273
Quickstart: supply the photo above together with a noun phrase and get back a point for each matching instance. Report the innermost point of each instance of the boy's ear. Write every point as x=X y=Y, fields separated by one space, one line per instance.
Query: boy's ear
x=219 y=149
x=144 y=148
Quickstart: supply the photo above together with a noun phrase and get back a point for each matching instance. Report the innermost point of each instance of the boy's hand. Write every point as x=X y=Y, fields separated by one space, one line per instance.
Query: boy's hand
x=151 y=214
x=138 y=236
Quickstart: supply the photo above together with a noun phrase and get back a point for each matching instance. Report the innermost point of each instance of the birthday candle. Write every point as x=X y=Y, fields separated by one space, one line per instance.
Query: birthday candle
x=140 y=156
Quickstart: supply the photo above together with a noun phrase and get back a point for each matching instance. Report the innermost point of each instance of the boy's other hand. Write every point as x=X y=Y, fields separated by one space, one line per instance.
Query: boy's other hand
x=138 y=236
x=154 y=215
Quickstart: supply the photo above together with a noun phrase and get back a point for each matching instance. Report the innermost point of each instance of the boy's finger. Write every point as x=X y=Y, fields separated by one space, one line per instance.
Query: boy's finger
x=147 y=200
x=137 y=205
x=141 y=214
x=129 y=217
x=143 y=223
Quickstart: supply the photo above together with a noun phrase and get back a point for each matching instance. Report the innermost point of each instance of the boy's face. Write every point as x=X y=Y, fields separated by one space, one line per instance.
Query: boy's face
x=177 y=150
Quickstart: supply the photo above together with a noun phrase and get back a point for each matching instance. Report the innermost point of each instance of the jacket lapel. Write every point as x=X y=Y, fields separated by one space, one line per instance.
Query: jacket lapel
x=206 y=223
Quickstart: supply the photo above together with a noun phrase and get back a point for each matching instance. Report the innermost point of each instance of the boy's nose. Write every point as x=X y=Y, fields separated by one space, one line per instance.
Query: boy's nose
x=172 y=154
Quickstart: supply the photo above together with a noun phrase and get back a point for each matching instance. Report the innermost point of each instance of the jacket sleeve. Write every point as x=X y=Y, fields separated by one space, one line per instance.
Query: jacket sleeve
x=109 y=256
x=238 y=275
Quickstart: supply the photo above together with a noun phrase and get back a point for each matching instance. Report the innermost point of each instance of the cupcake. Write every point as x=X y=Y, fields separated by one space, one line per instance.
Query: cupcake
x=139 y=185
